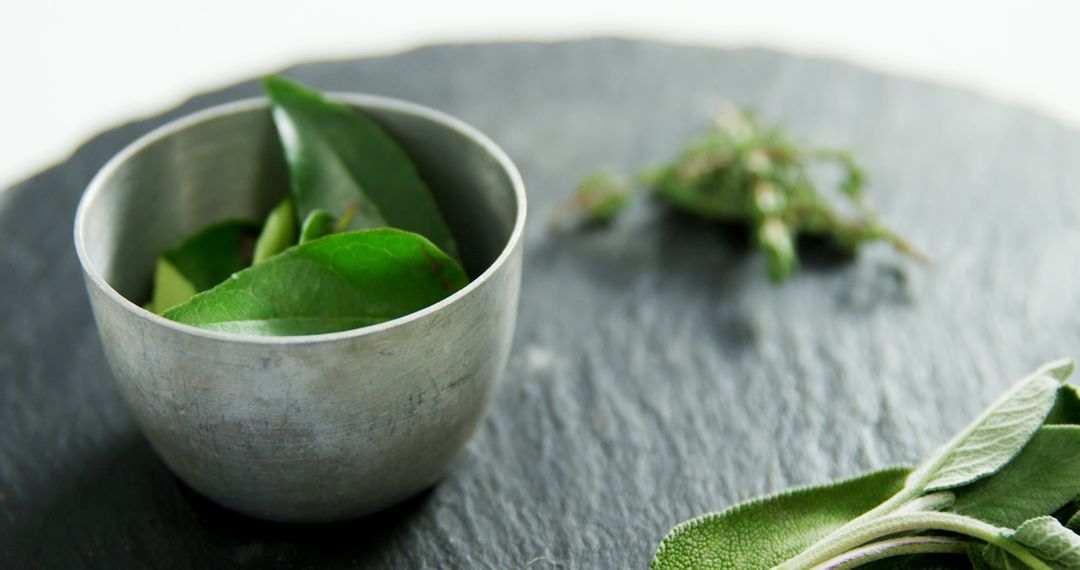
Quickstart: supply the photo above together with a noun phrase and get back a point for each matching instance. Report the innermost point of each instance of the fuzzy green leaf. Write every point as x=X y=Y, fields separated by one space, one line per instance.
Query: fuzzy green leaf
x=996 y=436
x=335 y=283
x=1073 y=523
x=1040 y=480
x=762 y=533
x=341 y=160
x=1043 y=537
x=1046 y=538
x=201 y=261
x=278 y=233
x=978 y=556
x=922 y=562
x=319 y=223
x=991 y=557
x=904 y=552
x=1066 y=408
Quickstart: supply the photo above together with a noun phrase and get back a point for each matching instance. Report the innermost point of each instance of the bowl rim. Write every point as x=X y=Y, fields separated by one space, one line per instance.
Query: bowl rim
x=363 y=100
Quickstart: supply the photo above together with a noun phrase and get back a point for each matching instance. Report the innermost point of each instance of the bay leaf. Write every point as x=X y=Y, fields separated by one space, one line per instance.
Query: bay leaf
x=170 y=287
x=339 y=282
x=319 y=223
x=764 y=532
x=201 y=261
x=339 y=159
x=278 y=233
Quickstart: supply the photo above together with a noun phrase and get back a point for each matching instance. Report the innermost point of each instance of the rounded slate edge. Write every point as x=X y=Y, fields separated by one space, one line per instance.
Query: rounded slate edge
x=196 y=97
x=387 y=103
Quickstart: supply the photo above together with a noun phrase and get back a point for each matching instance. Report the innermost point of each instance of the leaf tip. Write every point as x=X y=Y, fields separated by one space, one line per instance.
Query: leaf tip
x=278 y=87
x=1060 y=369
x=272 y=82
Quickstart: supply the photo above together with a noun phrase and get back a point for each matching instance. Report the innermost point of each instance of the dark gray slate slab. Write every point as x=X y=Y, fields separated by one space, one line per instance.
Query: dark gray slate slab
x=656 y=374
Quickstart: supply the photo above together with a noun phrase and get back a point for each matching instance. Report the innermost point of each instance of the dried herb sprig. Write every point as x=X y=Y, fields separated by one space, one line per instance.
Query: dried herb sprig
x=749 y=172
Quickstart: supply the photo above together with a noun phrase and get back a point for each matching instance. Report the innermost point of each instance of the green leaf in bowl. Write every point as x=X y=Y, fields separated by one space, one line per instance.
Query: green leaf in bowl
x=201 y=261
x=319 y=223
x=335 y=283
x=341 y=160
x=278 y=233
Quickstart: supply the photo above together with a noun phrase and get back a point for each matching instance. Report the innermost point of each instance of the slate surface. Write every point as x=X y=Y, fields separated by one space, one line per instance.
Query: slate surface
x=656 y=374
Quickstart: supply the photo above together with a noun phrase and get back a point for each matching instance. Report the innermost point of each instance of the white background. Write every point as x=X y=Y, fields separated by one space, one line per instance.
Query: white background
x=71 y=68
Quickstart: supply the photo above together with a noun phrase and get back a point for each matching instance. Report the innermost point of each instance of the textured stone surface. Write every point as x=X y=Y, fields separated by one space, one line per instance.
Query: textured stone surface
x=656 y=374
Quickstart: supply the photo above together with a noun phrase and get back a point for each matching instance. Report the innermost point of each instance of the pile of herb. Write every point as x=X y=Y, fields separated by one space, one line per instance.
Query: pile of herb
x=747 y=172
x=1003 y=494
x=359 y=241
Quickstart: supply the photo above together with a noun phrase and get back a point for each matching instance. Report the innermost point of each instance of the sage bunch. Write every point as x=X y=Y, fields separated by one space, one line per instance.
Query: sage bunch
x=1002 y=494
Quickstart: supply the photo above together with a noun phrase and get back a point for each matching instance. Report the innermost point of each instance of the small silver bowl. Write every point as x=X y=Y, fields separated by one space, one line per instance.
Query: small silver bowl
x=301 y=428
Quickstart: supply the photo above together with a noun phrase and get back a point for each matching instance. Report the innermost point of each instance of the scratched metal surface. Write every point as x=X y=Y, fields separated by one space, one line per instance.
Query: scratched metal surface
x=656 y=374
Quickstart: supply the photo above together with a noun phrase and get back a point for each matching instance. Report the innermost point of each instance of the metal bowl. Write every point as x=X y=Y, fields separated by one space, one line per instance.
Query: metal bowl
x=301 y=428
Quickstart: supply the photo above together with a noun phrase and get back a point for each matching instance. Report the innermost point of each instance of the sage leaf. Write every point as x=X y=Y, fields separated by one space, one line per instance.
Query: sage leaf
x=977 y=556
x=1073 y=523
x=1046 y=538
x=997 y=435
x=1044 y=477
x=278 y=233
x=994 y=558
x=340 y=159
x=1068 y=514
x=1067 y=406
x=201 y=261
x=905 y=552
x=338 y=282
x=762 y=533
x=1015 y=465
x=922 y=562
x=319 y=223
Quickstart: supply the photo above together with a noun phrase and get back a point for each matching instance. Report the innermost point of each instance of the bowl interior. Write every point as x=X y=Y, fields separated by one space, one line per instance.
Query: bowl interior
x=226 y=163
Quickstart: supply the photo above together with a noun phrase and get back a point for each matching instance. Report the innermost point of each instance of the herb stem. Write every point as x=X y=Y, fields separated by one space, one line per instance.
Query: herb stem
x=894 y=547
x=906 y=496
x=928 y=503
x=917 y=522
